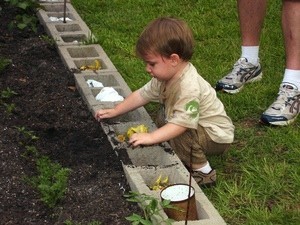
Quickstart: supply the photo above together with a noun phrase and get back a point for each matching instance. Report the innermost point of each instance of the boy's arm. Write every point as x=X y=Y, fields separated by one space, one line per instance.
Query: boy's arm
x=133 y=101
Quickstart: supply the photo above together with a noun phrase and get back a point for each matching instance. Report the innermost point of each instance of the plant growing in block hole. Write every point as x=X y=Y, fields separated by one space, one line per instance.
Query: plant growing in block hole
x=151 y=207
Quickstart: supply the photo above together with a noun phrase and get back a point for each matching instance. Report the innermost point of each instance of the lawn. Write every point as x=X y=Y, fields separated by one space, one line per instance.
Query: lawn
x=259 y=179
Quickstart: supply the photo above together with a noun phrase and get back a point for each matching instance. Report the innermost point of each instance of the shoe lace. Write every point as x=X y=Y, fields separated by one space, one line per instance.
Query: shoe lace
x=240 y=68
x=287 y=97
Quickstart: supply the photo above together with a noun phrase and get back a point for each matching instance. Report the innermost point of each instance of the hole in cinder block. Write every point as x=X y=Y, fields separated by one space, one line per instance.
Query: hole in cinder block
x=106 y=80
x=55 y=8
x=83 y=52
x=87 y=62
x=68 y=27
x=123 y=127
x=151 y=174
x=61 y=16
x=74 y=38
x=148 y=155
x=95 y=92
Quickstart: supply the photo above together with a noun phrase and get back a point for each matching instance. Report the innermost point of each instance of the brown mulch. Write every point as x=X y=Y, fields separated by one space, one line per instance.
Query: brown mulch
x=48 y=104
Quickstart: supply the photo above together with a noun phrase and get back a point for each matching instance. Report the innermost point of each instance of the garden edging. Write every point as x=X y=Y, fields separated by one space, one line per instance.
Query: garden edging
x=147 y=163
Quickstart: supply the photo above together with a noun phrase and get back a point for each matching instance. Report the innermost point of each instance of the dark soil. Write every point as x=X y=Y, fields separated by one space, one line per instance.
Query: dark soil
x=48 y=104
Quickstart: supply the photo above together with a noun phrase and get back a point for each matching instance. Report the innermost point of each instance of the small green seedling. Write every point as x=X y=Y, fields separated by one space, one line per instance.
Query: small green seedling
x=8 y=93
x=27 y=136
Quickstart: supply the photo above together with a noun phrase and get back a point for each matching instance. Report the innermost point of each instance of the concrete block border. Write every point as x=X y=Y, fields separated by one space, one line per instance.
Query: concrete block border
x=141 y=165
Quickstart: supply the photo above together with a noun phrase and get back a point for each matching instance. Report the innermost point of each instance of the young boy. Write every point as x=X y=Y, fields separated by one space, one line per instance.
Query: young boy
x=193 y=118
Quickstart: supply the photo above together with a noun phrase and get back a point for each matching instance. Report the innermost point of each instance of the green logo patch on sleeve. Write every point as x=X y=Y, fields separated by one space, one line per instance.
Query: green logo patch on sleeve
x=192 y=108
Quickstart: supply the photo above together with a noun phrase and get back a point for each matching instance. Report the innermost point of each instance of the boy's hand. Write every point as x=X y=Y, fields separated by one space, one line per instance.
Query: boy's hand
x=141 y=139
x=104 y=114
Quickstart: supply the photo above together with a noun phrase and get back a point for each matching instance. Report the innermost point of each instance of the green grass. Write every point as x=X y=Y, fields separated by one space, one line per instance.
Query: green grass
x=259 y=178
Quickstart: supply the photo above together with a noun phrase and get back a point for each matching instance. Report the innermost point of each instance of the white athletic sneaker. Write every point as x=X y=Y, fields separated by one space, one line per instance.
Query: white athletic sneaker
x=243 y=72
x=285 y=108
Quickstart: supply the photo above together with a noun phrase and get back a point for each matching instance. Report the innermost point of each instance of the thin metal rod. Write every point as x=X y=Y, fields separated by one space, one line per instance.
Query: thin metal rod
x=65 y=9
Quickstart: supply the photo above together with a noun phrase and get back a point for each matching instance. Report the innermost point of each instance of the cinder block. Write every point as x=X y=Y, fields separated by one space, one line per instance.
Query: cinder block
x=73 y=32
x=69 y=38
x=108 y=79
x=68 y=33
x=141 y=178
x=65 y=13
x=156 y=155
x=74 y=57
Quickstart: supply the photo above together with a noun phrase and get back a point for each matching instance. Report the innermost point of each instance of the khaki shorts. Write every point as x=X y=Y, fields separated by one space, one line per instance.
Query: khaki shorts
x=201 y=145
x=196 y=140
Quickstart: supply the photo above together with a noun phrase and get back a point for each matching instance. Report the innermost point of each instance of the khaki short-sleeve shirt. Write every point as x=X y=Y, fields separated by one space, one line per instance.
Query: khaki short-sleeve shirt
x=190 y=101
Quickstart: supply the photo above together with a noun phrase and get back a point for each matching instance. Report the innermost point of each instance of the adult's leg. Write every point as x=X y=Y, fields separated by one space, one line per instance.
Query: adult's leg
x=251 y=18
x=291 y=32
x=285 y=109
x=247 y=68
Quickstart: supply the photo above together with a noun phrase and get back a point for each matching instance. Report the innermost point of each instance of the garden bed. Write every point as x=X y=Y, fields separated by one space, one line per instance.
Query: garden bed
x=48 y=105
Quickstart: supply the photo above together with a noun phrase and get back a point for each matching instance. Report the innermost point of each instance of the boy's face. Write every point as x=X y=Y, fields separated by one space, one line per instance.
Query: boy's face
x=160 y=67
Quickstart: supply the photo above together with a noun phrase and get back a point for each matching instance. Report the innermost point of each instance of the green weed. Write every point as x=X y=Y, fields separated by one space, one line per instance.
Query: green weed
x=10 y=108
x=51 y=41
x=90 y=40
x=27 y=137
x=4 y=63
x=51 y=181
x=151 y=207
x=52 y=178
x=4 y=98
x=8 y=93
x=26 y=18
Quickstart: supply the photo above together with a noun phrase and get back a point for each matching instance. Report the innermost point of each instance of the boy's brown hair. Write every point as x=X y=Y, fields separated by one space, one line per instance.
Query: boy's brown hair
x=166 y=36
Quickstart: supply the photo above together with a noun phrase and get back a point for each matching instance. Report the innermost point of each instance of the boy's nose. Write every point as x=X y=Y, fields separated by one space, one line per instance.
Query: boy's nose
x=148 y=69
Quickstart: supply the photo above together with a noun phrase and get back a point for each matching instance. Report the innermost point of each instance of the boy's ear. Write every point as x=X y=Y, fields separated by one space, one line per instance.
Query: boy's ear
x=175 y=59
